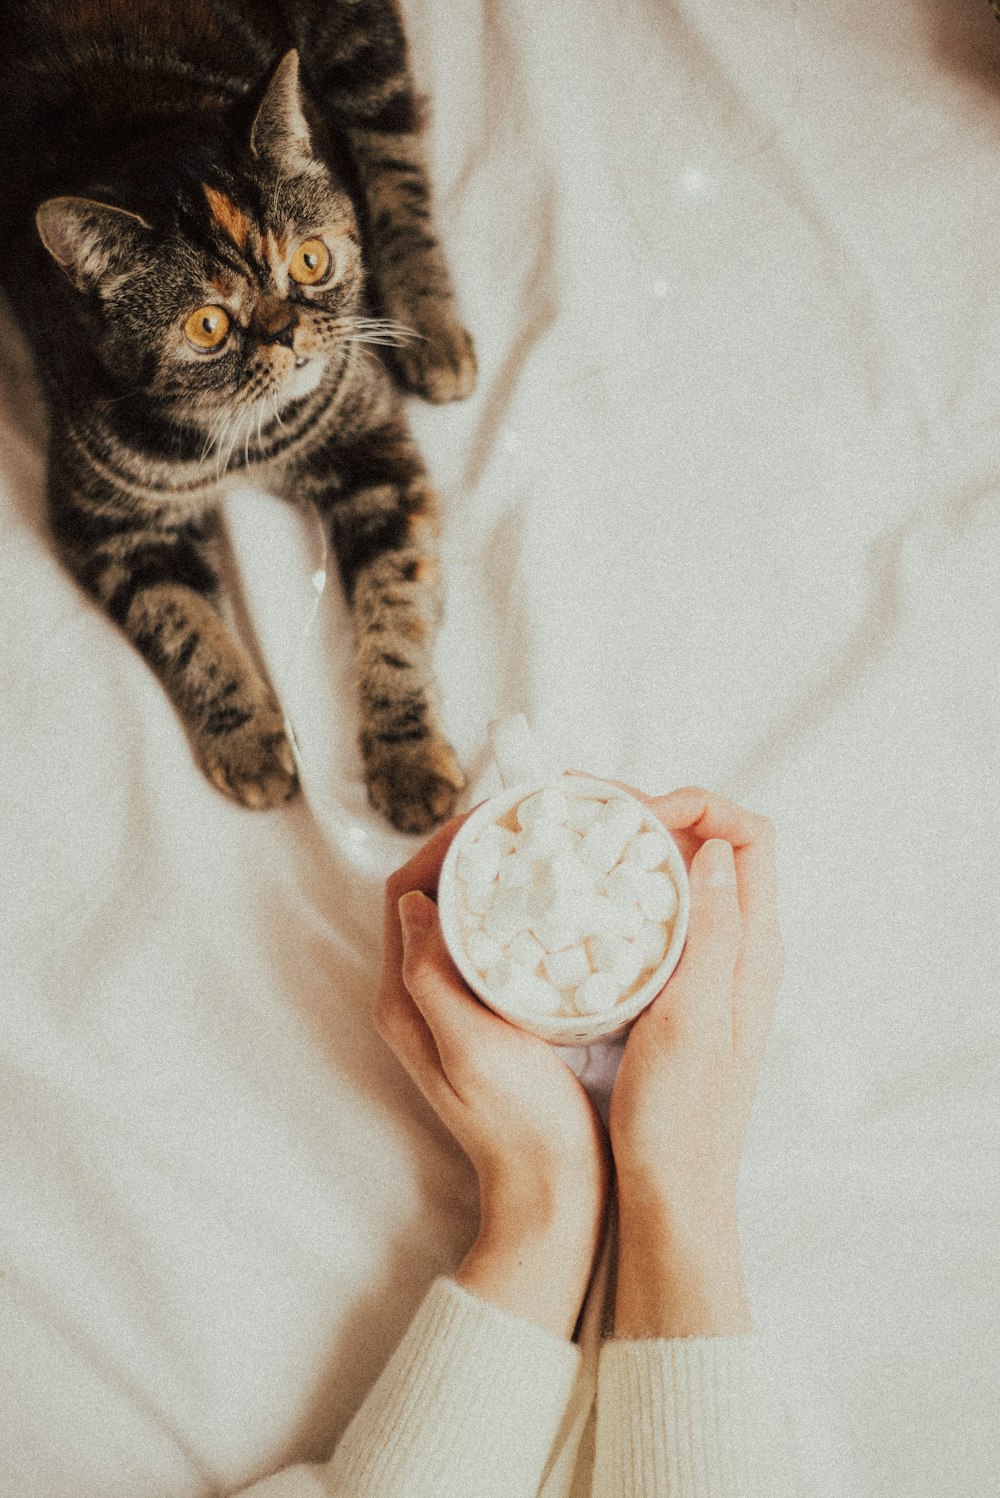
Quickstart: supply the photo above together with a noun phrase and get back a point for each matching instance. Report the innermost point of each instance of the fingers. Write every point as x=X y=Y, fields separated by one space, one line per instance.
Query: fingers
x=698 y=812
x=698 y=999
x=394 y=1014
x=420 y=872
x=405 y=1031
x=694 y=812
x=694 y=815
x=455 y=1018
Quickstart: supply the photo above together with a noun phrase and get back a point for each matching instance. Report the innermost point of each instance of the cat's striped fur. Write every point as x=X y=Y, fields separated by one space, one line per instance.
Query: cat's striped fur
x=174 y=157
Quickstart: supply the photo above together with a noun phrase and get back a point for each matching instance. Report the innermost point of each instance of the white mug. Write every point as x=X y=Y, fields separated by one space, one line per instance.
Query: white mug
x=567 y=1030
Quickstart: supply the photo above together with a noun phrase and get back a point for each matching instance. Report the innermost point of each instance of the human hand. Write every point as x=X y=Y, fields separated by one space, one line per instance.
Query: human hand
x=510 y=1101
x=681 y=1102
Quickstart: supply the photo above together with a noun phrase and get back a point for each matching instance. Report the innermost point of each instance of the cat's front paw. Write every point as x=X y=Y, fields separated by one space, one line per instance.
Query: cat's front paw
x=440 y=363
x=251 y=761
x=414 y=784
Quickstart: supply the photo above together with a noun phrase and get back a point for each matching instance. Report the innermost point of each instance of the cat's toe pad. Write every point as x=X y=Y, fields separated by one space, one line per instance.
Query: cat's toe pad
x=440 y=365
x=252 y=763
x=414 y=784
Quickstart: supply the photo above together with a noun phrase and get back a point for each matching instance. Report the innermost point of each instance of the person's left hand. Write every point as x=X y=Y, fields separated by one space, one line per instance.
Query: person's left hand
x=511 y=1102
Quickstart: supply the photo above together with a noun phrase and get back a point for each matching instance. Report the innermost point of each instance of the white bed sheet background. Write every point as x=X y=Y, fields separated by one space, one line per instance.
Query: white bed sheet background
x=724 y=509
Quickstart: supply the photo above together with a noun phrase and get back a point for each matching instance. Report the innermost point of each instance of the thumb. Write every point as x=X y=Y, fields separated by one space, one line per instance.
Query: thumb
x=431 y=977
x=423 y=946
x=700 y=994
x=417 y=916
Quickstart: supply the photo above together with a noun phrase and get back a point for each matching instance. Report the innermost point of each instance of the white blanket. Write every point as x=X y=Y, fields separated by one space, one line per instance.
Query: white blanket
x=723 y=510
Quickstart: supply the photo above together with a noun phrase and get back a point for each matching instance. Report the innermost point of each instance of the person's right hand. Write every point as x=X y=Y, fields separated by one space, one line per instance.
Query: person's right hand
x=681 y=1101
x=511 y=1102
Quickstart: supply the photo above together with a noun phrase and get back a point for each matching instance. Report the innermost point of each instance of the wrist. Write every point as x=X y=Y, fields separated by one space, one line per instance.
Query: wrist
x=535 y=1250
x=680 y=1269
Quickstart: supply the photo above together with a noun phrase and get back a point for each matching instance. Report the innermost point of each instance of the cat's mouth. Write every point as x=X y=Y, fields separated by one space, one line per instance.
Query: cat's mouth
x=303 y=378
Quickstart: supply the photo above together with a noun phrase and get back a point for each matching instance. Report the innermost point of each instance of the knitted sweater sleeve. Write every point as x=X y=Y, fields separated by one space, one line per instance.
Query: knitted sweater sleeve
x=693 y=1417
x=468 y=1406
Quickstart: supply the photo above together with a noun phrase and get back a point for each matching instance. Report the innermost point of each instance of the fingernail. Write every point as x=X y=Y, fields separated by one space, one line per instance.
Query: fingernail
x=416 y=913
x=718 y=866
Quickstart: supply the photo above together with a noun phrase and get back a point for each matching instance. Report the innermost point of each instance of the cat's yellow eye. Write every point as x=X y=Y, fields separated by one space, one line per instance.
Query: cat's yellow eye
x=207 y=328
x=311 y=263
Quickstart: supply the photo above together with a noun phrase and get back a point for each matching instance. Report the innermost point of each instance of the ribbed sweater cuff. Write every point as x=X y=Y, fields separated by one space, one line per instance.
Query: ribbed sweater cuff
x=471 y=1392
x=683 y=1418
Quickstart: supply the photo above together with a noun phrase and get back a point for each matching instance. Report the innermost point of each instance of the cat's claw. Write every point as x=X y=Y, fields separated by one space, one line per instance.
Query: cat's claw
x=415 y=785
x=254 y=767
x=440 y=364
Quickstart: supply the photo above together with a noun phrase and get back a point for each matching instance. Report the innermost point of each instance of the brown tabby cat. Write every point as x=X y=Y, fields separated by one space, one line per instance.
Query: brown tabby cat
x=188 y=218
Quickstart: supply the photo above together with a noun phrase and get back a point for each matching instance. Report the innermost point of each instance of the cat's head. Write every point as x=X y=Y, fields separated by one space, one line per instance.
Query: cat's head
x=227 y=293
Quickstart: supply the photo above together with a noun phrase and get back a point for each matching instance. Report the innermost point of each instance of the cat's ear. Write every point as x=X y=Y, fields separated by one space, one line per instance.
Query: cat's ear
x=279 y=134
x=90 y=241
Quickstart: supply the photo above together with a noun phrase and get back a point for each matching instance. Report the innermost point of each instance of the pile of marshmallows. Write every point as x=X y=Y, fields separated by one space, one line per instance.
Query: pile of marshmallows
x=569 y=912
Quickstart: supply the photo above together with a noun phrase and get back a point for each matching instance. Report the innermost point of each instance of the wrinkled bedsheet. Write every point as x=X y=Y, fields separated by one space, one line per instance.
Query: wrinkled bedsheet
x=724 y=509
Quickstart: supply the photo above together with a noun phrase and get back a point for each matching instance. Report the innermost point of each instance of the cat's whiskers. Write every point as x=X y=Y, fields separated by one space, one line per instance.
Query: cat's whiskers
x=259 y=402
x=220 y=440
x=212 y=436
x=235 y=430
x=243 y=421
x=116 y=400
x=373 y=330
x=217 y=435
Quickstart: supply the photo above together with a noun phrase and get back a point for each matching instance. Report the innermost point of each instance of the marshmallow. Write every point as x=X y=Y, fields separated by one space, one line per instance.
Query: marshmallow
x=516 y=871
x=625 y=881
x=567 y=969
x=599 y=991
x=624 y=812
x=605 y=840
x=481 y=859
x=495 y=836
x=544 y=839
x=568 y=875
x=540 y=899
x=614 y=917
x=480 y=894
x=658 y=897
x=526 y=951
x=582 y=813
x=604 y=951
x=649 y=851
x=651 y=944
x=483 y=950
x=507 y=915
x=575 y=901
x=544 y=806
x=499 y=974
x=628 y=919
x=614 y=955
x=602 y=846
x=525 y=993
x=628 y=966
x=562 y=924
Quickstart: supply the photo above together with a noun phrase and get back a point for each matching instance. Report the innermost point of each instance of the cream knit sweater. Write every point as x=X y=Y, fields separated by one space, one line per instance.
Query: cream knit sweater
x=475 y=1402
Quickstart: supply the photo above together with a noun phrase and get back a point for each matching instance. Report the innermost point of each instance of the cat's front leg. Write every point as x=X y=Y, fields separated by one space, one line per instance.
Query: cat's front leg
x=384 y=525
x=366 y=84
x=234 y=722
x=412 y=283
x=156 y=582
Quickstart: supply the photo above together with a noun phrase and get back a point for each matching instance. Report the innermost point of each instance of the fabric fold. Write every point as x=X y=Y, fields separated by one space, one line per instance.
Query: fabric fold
x=471 y=1392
